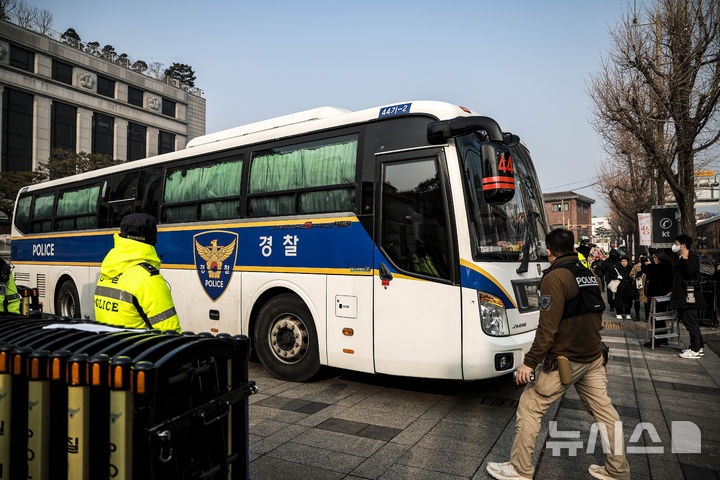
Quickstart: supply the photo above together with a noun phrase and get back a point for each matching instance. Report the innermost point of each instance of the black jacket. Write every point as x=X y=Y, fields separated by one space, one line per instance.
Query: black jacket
x=659 y=279
x=686 y=271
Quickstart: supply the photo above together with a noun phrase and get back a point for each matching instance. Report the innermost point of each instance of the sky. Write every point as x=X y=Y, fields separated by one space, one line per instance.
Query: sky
x=527 y=64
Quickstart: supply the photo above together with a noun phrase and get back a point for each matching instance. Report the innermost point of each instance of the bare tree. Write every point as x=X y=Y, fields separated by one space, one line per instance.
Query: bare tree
x=661 y=87
x=156 y=70
x=624 y=183
x=6 y=6
x=44 y=21
x=26 y=15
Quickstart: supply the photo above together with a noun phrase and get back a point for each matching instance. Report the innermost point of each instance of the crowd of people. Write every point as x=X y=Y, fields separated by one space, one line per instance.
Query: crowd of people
x=631 y=285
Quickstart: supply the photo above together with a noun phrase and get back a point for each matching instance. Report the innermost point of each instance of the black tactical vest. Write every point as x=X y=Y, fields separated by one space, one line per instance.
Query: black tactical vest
x=589 y=300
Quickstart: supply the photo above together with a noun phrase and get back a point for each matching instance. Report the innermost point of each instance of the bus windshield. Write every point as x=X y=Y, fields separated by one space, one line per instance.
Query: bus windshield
x=499 y=232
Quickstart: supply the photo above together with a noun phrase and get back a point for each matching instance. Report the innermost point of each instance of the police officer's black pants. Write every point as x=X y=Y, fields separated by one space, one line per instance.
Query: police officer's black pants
x=688 y=317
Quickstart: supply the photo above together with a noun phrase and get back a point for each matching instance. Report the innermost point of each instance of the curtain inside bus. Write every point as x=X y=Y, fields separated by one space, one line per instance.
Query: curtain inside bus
x=313 y=164
x=81 y=205
x=216 y=180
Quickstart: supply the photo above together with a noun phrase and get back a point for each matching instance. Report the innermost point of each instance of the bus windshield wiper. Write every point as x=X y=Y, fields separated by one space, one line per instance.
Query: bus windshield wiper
x=526 y=247
x=525 y=253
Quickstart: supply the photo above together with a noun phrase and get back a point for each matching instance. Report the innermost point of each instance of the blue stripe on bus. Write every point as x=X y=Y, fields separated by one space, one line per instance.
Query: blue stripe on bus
x=332 y=245
x=475 y=280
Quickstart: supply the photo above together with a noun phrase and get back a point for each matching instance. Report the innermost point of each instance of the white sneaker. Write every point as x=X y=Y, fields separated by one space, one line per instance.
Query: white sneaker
x=619 y=317
x=700 y=352
x=504 y=471
x=598 y=471
x=628 y=317
x=690 y=354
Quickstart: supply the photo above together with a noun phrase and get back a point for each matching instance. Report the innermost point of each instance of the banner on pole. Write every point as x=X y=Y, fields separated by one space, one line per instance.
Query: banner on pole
x=645 y=228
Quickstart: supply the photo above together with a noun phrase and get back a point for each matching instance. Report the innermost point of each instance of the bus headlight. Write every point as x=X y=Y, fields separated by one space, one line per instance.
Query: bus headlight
x=493 y=318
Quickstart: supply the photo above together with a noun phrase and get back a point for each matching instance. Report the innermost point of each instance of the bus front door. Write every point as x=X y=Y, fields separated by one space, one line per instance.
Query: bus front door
x=417 y=307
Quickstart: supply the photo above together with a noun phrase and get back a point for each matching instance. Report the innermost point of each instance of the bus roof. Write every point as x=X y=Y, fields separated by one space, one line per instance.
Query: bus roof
x=271 y=129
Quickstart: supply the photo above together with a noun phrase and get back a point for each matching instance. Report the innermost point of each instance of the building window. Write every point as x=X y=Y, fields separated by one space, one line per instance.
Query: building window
x=105 y=87
x=559 y=207
x=62 y=72
x=102 y=134
x=136 y=141
x=17 y=134
x=166 y=142
x=63 y=126
x=21 y=58
x=168 y=107
x=135 y=96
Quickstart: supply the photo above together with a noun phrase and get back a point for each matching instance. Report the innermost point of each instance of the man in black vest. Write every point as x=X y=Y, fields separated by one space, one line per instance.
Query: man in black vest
x=570 y=322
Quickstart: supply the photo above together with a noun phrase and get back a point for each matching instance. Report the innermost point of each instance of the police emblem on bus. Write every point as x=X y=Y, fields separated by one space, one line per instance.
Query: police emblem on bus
x=215 y=254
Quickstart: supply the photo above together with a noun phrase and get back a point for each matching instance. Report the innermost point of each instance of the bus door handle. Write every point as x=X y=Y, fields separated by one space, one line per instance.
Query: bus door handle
x=385 y=274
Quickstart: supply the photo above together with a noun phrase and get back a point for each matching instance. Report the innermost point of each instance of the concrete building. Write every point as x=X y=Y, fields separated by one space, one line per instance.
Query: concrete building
x=55 y=95
x=569 y=210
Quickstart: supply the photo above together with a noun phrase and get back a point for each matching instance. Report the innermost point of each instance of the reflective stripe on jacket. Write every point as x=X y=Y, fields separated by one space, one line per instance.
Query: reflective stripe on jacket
x=11 y=296
x=131 y=292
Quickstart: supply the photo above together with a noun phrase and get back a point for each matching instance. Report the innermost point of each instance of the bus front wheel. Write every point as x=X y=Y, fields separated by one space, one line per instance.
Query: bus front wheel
x=285 y=339
x=67 y=300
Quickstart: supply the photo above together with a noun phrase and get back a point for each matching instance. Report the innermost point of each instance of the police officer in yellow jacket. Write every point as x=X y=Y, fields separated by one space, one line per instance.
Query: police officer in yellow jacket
x=10 y=299
x=583 y=252
x=131 y=292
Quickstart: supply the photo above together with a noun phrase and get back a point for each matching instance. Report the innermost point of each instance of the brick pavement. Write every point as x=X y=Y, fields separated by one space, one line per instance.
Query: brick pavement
x=348 y=425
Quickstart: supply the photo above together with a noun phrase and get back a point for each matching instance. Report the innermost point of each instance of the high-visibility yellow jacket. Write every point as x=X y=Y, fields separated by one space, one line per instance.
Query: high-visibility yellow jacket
x=583 y=260
x=10 y=299
x=131 y=292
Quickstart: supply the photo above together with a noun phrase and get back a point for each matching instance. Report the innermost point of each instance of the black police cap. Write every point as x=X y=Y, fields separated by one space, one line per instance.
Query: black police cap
x=139 y=226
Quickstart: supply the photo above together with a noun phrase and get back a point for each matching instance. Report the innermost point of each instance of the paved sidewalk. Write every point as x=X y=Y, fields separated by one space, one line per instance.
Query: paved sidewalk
x=348 y=425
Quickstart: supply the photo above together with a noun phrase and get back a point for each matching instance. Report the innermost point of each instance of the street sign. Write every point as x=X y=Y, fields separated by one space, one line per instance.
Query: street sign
x=665 y=226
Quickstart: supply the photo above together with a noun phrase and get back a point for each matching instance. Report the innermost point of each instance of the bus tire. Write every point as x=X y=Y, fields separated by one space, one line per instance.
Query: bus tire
x=285 y=339
x=67 y=300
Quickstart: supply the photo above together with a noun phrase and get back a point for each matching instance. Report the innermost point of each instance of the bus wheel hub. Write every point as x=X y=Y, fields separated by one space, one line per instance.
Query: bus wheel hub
x=288 y=338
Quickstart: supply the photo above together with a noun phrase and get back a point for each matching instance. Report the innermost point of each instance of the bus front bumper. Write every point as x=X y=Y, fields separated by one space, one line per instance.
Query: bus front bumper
x=483 y=364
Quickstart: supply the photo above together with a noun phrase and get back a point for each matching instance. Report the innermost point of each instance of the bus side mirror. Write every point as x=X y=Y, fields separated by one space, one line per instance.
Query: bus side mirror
x=498 y=181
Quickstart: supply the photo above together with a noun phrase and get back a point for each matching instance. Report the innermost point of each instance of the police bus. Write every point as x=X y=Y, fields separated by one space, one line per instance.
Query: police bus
x=406 y=239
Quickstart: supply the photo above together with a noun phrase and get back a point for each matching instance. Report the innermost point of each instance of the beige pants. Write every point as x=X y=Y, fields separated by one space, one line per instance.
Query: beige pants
x=591 y=384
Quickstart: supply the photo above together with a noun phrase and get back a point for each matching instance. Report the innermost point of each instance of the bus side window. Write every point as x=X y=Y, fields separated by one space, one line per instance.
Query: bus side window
x=77 y=208
x=119 y=195
x=208 y=191
x=22 y=213
x=42 y=213
x=148 y=198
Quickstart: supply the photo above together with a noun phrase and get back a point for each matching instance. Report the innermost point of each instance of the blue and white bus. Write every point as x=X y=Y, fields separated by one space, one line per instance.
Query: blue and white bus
x=406 y=239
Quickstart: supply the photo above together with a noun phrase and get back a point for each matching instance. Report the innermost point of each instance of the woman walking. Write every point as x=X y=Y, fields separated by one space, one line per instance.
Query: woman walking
x=626 y=291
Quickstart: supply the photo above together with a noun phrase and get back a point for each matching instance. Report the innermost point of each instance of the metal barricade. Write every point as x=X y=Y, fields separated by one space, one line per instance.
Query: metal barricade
x=78 y=404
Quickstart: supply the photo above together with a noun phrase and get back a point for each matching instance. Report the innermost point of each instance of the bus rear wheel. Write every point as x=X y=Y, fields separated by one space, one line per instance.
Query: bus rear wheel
x=285 y=339
x=67 y=300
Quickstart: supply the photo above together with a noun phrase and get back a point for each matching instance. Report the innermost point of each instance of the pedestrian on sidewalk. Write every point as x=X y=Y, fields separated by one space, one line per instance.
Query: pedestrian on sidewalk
x=686 y=297
x=640 y=283
x=607 y=271
x=570 y=323
x=626 y=292
x=659 y=275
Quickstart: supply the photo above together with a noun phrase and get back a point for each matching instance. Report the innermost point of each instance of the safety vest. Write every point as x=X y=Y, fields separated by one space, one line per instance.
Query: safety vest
x=583 y=260
x=589 y=299
x=10 y=299
x=131 y=292
x=424 y=265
